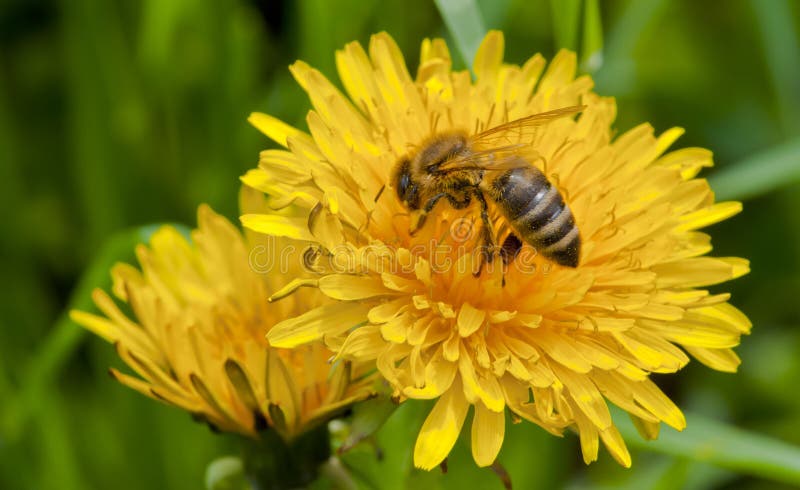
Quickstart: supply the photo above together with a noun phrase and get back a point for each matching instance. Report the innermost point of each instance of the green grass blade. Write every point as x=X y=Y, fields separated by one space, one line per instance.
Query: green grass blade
x=630 y=26
x=760 y=173
x=566 y=18
x=66 y=336
x=618 y=74
x=496 y=12
x=722 y=445
x=781 y=50
x=464 y=20
x=99 y=81
x=592 y=49
x=53 y=427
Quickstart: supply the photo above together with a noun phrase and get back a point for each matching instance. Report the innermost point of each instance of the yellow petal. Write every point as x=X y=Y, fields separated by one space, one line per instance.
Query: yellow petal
x=596 y=354
x=350 y=287
x=616 y=446
x=439 y=376
x=240 y=381
x=653 y=350
x=434 y=49
x=725 y=315
x=332 y=319
x=668 y=137
x=688 y=161
x=699 y=271
x=418 y=333
x=708 y=216
x=190 y=405
x=124 y=276
x=561 y=349
x=326 y=227
x=276 y=225
x=355 y=72
x=281 y=389
x=590 y=442
x=388 y=310
x=585 y=395
x=452 y=347
x=117 y=328
x=619 y=391
x=100 y=326
x=440 y=430
x=720 y=359
x=653 y=399
x=480 y=385
x=695 y=332
x=284 y=166
x=489 y=56
x=363 y=343
x=488 y=430
x=396 y=329
x=560 y=72
x=469 y=320
x=399 y=283
x=275 y=129
x=293 y=286
x=648 y=430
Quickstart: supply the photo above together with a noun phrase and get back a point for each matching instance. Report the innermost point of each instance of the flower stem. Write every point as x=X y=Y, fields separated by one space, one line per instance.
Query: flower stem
x=270 y=463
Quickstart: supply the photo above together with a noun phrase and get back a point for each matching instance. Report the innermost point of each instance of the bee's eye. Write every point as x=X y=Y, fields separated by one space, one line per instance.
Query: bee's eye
x=402 y=179
x=405 y=181
x=412 y=196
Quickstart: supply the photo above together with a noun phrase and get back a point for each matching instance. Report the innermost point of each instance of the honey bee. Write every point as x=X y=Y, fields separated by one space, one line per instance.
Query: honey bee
x=496 y=164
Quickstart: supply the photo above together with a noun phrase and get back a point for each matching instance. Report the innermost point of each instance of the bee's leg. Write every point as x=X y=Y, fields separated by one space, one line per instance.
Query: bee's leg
x=427 y=208
x=488 y=244
x=509 y=251
x=510 y=248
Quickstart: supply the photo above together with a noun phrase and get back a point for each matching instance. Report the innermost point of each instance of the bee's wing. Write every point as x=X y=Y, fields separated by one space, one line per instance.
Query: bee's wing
x=508 y=145
x=499 y=158
x=520 y=131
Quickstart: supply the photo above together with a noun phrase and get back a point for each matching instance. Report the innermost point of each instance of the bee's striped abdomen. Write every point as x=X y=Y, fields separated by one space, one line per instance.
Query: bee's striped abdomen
x=538 y=214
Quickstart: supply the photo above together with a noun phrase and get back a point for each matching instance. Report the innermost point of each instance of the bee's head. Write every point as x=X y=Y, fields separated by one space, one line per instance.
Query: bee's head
x=407 y=190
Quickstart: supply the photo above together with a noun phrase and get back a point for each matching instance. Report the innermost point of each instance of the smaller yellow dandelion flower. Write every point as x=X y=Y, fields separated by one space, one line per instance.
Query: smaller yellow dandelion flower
x=197 y=337
x=555 y=336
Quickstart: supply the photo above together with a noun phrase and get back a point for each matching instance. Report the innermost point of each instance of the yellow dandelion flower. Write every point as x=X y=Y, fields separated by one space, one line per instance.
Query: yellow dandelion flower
x=197 y=337
x=551 y=343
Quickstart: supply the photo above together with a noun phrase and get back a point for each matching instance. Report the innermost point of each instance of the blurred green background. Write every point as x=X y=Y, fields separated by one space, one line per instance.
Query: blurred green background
x=116 y=114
